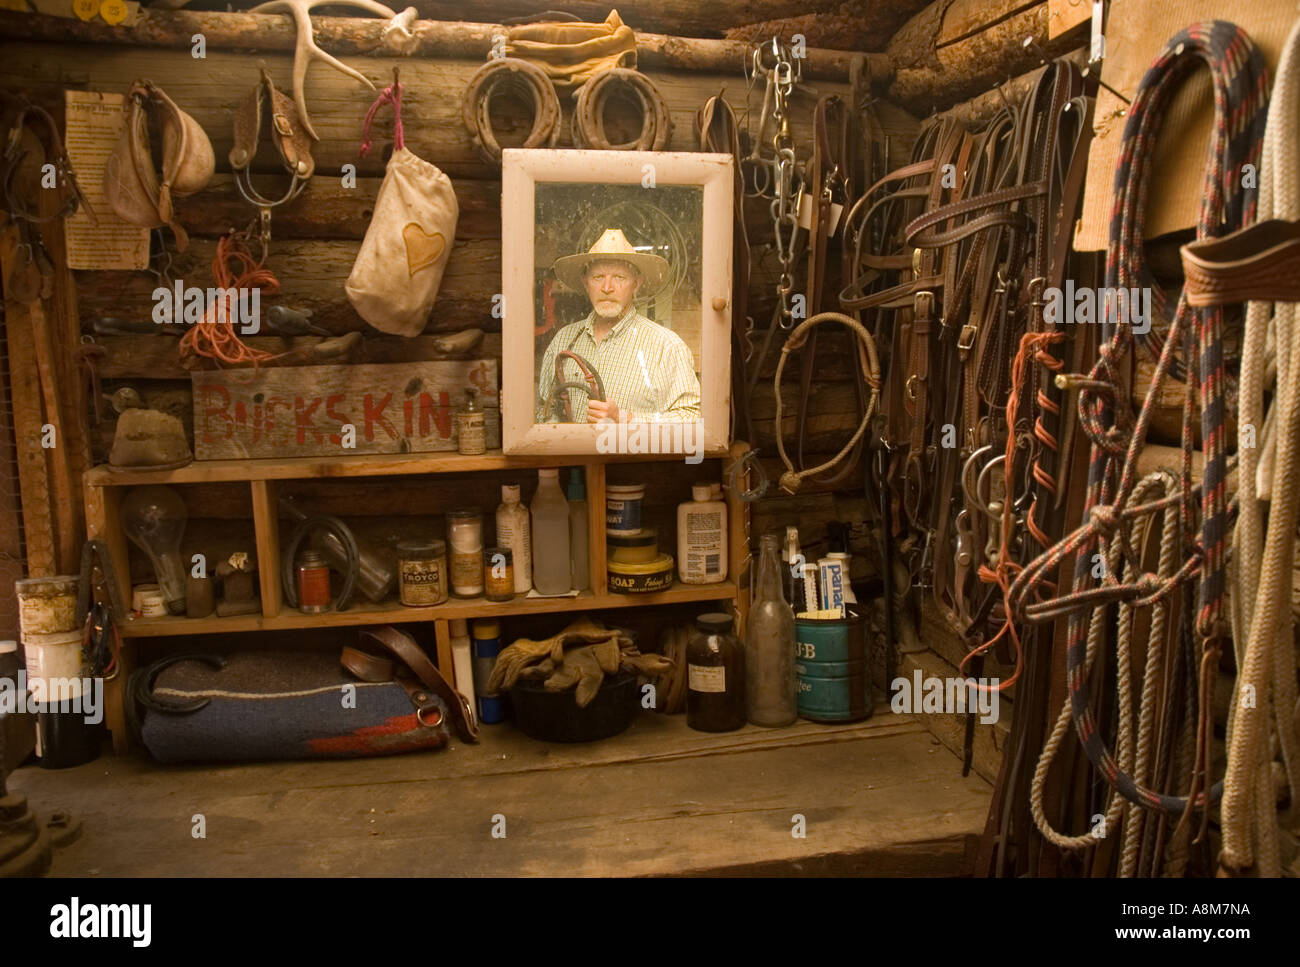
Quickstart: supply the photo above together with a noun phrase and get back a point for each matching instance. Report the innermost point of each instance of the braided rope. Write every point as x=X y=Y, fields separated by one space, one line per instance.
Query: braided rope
x=1240 y=79
x=1262 y=625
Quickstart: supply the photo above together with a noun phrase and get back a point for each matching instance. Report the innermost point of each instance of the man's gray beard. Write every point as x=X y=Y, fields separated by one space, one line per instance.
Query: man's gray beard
x=615 y=315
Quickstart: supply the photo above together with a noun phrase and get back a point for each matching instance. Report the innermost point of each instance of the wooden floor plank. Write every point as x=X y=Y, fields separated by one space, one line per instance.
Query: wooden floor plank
x=703 y=803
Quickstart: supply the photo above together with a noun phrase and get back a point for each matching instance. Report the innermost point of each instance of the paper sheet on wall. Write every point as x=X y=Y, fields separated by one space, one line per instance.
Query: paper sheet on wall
x=94 y=124
x=1136 y=33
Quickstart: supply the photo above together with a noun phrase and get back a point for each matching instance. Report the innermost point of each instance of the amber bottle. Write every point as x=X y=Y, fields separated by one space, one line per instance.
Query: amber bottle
x=715 y=667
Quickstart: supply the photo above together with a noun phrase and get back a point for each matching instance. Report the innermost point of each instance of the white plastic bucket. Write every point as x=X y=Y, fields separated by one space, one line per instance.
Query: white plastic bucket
x=54 y=657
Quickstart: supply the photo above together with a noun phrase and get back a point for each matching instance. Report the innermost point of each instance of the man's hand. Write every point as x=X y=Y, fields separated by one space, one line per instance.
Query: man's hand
x=597 y=411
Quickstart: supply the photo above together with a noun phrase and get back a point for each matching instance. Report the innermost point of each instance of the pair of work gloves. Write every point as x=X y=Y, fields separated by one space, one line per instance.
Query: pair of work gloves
x=581 y=655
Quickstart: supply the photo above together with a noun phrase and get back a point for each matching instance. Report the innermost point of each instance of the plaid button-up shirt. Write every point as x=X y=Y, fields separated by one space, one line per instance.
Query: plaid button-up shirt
x=647 y=370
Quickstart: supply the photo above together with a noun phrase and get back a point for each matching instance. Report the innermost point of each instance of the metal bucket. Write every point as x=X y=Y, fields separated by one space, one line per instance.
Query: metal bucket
x=47 y=606
x=832 y=668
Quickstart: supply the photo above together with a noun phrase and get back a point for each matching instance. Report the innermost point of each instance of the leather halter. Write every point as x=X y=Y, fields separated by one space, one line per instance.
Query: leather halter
x=291 y=140
x=66 y=178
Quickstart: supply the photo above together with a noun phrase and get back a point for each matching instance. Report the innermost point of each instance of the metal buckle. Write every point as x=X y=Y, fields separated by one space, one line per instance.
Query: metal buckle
x=966 y=338
x=925 y=573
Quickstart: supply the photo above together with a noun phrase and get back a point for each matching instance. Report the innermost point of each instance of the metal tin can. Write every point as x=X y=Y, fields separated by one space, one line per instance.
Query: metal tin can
x=147 y=601
x=313 y=582
x=655 y=575
x=639 y=548
x=422 y=572
x=47 y=606
x=832 y=668
x=831 y=583
x=623 y=509
x=498 y=574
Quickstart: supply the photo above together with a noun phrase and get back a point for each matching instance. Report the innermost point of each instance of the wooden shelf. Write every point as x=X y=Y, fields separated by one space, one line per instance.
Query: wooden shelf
x=105 y=491
x=372 y=465
x=394 y=613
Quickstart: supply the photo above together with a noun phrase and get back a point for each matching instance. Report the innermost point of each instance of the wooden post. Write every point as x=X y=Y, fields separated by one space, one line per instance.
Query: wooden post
x=362 y=36
x=596 y=552
x=955 y=49
x=25 y=391
x=266 y=527
x=446 y=661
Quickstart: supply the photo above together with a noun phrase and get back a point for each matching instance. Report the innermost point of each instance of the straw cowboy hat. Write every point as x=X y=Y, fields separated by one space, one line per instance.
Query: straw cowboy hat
x=613 y=244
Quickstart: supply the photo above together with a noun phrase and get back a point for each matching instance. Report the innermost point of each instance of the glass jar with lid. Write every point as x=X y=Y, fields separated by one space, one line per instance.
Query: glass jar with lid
x=465 y=552
x=715 y=669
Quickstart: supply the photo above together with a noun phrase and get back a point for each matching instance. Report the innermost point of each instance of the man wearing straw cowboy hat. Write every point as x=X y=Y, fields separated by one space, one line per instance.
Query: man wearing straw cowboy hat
x=647 y=370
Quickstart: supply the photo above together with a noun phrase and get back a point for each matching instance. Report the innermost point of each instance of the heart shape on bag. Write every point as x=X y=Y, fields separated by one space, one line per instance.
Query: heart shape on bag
x=422 y=249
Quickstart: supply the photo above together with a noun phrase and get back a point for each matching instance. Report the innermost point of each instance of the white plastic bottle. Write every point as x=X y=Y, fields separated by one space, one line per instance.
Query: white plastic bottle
x=702 y=538
x=513 y=531
x=550 y=535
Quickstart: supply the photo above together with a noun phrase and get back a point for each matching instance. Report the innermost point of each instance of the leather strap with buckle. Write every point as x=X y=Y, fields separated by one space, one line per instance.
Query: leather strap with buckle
x=291 y=140
x=410 y=655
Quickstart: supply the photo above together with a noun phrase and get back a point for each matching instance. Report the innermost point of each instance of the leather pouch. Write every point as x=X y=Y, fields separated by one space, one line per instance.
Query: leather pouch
x=395 y=279
x=133 y=187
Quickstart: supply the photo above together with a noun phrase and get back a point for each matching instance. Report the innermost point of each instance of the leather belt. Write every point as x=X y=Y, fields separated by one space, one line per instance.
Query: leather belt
x=1261 y=261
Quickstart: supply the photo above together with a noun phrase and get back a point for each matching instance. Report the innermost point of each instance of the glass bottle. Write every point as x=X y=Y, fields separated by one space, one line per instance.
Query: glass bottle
x=715 y=676
x=470 y=437
x=465 y=540
x=770 y=685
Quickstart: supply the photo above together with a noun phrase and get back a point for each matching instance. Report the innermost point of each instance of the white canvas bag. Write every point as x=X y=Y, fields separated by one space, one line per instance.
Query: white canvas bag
x=398 y=270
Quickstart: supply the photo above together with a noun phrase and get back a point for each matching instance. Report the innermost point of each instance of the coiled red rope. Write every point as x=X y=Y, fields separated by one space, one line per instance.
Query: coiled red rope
x=215 y=337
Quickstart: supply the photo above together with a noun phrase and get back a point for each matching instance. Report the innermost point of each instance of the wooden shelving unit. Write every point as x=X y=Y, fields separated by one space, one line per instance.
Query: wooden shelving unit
x=365 y=613
x=104 y=490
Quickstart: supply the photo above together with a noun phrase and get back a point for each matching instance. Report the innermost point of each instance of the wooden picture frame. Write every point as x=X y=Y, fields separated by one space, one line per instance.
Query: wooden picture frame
x=676 y=206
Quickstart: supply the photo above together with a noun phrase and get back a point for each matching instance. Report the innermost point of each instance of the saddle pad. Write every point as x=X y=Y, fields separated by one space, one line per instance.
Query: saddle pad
x=282 y=705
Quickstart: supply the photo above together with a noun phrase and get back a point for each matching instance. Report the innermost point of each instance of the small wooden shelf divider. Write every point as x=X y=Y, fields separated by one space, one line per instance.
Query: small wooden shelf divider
x=104 y=489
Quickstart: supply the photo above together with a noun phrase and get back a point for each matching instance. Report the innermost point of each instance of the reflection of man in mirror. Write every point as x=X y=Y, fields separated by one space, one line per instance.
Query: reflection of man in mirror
x=646 y=370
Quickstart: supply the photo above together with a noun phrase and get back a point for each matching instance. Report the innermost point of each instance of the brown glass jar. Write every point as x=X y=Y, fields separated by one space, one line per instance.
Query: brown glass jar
x=498 y=574
x=422 y=572
x=715 y=670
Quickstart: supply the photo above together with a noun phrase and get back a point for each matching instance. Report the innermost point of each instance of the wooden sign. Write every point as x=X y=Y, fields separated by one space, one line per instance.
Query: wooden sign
x=303 y=411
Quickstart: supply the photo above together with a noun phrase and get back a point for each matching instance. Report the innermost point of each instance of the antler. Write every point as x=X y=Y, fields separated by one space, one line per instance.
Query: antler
x=305 y=49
